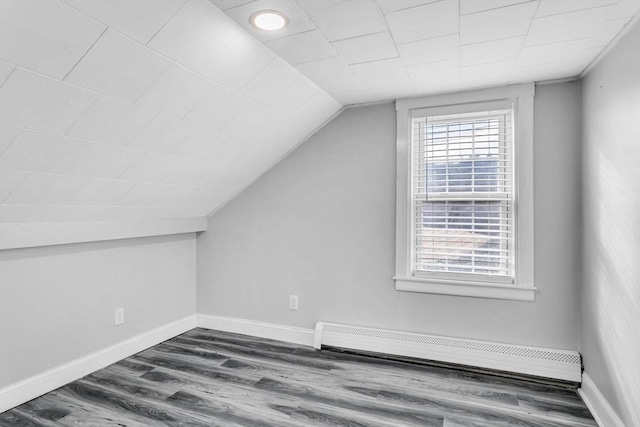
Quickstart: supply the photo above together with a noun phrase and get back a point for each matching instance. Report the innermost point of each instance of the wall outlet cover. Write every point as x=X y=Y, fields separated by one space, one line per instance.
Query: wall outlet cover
x=119 y=317
x=293 y=302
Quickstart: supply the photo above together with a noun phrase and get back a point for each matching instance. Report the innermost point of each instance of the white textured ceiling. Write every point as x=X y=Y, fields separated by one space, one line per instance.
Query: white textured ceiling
x=128 y=109
x=113 y=109
x=369 y=50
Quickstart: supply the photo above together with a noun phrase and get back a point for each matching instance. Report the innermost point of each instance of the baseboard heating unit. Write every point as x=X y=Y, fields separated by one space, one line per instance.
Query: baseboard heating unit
x=542 y=362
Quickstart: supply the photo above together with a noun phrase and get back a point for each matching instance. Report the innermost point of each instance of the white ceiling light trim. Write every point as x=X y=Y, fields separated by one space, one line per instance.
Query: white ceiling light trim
x=269 y=20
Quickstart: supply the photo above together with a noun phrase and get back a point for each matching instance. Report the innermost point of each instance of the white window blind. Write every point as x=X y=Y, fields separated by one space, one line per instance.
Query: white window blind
x=462 y=183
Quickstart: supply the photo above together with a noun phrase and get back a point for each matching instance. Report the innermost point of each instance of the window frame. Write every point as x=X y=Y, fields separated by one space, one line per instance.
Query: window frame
x=523 y=288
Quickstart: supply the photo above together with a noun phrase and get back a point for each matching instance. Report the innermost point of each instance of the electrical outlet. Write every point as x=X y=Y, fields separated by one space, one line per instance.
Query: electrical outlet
x=119 y=317
x=293 y=302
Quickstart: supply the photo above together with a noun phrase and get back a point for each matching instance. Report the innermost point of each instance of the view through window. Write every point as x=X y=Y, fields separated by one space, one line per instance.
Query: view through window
x=462 y=194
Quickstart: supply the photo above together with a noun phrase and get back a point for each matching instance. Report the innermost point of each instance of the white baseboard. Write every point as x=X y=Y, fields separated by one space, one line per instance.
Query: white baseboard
x=600 y=409
x=30 y=388
x=257 y=329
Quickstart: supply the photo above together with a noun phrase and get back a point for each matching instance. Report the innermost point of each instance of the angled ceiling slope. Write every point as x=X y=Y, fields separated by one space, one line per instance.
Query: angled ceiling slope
x=114 y=110
x=370 y=50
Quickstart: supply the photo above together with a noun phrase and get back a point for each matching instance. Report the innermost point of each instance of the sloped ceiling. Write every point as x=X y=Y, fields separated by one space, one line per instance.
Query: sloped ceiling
x=370 y=50
x=139 y=109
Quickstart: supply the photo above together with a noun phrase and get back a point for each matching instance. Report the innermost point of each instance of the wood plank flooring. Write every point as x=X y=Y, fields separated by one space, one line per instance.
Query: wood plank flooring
x=211 y=378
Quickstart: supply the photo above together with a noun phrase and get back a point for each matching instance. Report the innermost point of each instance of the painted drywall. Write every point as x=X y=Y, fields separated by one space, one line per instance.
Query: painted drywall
x=610 y=293
x=321 y=225
x=57 y=302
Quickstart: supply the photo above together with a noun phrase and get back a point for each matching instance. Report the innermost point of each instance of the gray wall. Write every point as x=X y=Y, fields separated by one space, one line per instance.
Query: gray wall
x=321 y=225
x=610 y=295
x=57 y=302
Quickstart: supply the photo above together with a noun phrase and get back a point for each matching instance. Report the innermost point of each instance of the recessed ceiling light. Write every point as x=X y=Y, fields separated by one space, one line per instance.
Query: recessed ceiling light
x=268 y=20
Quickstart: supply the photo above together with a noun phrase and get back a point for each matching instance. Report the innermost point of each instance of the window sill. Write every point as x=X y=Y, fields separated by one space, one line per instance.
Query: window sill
x=467 y=289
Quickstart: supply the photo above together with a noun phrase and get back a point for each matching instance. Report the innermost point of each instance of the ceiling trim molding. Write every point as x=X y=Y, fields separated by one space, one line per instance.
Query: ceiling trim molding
x=29 y=235
x=368 y=104
x=612 y=44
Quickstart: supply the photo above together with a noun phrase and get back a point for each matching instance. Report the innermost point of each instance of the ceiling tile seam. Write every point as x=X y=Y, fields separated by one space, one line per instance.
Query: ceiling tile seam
x=153 y=206
x=130 y=190
x=380 y=60
x=67 y=200
x=349 y=64
x=164 y=207
x=623 y=17
x=197 y=104
x=126 y=143
x=354 y=75
x=172 y=169
x=264 y=67
x=405 y=8
x=91 y=178
x=501 y=7
x=283 y=36
x=602 y=6
x=86 y=52
x=135 y=101
x=192 y=109
x=304 y=12
x=10 y=72
x=162 y=182
x=487 y=63
x=14 y=188
x=317 y=8
x=90 y=141
x=431 y=38
x=29 y=70
x=79 y=190
x=137 y=160
x=386 y=23
x=234 y=7
x=556 y=42
x=184 y=66
x=340 y=77
x=80 y=115
x=148 y=125
x=295 y=70
x=375 y=60
x=184 y=2
x=229 y=136
x=497 y=40
x=278 y=160
x=524 y=34
x=14 y=138
x=313 y=60
x=524 y=39
x=359 y=36
x=274 y=37
x=106 y=96
x=300 y=75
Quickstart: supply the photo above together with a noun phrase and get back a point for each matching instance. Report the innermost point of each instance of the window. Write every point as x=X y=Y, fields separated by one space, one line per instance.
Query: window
x=465 y=202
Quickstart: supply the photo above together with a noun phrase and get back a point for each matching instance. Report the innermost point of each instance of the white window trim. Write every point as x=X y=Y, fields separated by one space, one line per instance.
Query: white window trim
x=523 y=289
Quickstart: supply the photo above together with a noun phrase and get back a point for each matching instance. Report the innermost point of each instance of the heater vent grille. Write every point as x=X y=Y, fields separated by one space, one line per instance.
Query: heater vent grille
x=562 y=356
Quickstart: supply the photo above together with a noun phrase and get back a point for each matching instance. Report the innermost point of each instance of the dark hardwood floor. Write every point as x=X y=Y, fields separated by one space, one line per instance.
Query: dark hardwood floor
x=210 y=378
